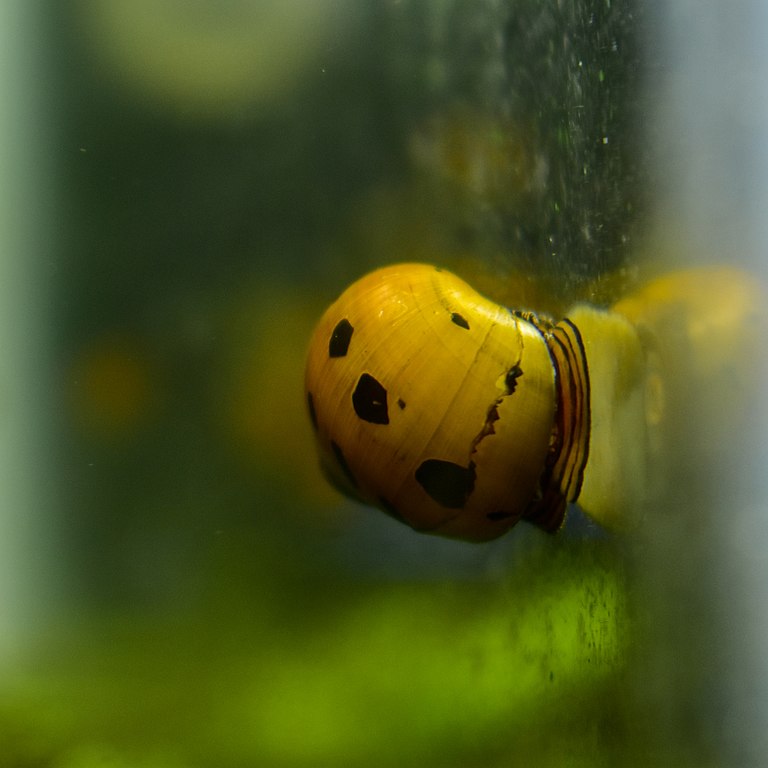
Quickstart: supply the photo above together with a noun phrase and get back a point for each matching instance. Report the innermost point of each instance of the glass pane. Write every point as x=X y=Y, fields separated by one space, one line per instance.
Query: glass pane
x=186 y=187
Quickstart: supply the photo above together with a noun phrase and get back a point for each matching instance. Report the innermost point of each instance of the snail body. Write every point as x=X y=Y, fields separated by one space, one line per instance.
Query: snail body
x=460 y=417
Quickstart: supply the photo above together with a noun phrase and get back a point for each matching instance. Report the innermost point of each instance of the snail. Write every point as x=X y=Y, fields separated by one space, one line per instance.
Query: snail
x=461 y=417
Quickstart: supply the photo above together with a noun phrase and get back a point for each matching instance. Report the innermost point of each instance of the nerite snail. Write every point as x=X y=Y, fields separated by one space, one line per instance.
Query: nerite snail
x=461 y=417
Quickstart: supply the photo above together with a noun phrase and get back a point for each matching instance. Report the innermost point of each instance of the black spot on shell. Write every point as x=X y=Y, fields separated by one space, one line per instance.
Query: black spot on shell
x=459 y=320
x=312 y=413
x=370 y=400
x=342 y=462
x=499 y=515
x=401 y=403
x=449 y=484
x=340 y=338
x=513 y=374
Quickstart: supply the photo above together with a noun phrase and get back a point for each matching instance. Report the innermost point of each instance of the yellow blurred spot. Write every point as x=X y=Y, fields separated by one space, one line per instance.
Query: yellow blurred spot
x=202 y=59
x=112 y=387
x=484 y=155
x=264 y=413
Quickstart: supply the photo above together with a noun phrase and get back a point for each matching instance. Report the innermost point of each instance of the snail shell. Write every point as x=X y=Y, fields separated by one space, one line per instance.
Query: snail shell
x=451 y=413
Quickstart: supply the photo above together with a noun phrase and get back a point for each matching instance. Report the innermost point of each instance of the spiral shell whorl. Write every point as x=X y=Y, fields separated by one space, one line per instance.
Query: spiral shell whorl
x=569 y=446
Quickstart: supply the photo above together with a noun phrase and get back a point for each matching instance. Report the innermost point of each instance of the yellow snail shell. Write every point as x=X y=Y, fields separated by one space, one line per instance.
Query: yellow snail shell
x=446 y=410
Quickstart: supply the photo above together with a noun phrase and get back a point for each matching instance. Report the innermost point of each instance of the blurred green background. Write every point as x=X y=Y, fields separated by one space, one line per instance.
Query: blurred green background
x=219 y=172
